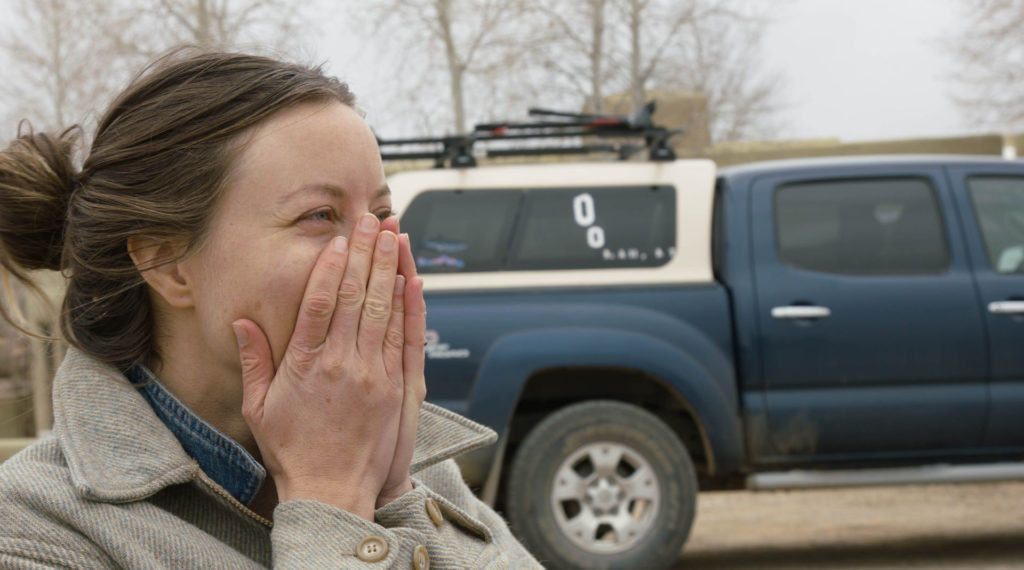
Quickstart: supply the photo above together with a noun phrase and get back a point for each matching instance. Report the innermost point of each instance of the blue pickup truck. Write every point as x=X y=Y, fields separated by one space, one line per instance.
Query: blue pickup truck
x=636 y=331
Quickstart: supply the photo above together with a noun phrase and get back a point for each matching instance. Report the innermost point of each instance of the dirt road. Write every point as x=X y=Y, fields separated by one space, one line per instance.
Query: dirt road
x=977 y=526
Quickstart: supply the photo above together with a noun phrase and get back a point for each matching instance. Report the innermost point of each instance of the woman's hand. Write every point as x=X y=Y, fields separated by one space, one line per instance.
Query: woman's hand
x=328 y=422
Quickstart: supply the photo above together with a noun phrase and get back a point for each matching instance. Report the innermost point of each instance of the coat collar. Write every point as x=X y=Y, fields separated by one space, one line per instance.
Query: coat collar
x=119 y=451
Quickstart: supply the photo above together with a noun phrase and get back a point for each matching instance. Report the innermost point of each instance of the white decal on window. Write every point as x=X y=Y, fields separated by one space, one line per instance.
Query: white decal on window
x=585 y=214
x=583 y=209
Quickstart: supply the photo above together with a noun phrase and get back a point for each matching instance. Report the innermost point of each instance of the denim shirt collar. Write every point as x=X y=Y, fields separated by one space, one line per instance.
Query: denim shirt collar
x=219 y=456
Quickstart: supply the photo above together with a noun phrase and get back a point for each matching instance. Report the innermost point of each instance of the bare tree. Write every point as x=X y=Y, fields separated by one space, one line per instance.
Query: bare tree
x=988 y=58
x=68 y=57
x=718 y=55
x=657 y=25
x=569 y=43
x=61 y=60
x=597 y=47
x=271 y=24
x=470 y=42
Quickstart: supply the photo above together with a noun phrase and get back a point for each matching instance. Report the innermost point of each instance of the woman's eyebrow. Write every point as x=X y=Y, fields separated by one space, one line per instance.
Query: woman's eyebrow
x=332 y=191
x=327 y=189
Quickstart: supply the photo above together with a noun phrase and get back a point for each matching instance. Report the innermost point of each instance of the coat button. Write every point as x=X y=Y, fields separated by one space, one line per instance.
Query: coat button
x=434 y=512
x=420 y=558
x=372 y=549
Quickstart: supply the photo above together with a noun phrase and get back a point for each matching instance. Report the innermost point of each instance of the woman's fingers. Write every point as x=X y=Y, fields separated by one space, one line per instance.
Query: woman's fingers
x=394 y=338
x=257 y=367
x=398 y=481
x=390 y=224
x=320 y=297
x=412 y=368
x=406 y=261
x=352 y=292
x=373 y=323
x=415 y=338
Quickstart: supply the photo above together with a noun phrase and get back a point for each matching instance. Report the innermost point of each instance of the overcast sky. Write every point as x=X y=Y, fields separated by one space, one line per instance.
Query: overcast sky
x=865 y=69
x=853 y=69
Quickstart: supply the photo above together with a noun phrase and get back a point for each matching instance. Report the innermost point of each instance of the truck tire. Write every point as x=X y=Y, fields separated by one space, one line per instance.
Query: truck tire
x=602 y=484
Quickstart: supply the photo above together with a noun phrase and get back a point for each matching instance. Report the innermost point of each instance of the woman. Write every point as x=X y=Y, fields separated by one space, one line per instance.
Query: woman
x=245 y=383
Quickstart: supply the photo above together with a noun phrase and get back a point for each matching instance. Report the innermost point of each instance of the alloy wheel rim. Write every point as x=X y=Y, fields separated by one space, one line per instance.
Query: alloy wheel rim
x=605 y=497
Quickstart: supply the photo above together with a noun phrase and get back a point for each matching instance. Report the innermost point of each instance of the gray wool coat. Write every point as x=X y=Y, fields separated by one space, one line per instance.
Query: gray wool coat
x=113 y=488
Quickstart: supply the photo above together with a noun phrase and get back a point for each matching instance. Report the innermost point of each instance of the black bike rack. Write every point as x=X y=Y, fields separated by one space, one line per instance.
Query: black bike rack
x=456 y=151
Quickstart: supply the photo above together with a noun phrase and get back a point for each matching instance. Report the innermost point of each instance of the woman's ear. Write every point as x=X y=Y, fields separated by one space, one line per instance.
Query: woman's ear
x=159 y=263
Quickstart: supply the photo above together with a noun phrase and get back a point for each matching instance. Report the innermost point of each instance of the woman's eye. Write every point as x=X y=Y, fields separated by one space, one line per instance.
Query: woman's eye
x=321 y=215
x=383 y=215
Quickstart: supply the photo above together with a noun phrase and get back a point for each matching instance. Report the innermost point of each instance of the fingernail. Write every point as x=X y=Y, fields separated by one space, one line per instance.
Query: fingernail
x=340 y=244
x=387 y=241
x=399 y=284
x=241 y=335
x=368 y=222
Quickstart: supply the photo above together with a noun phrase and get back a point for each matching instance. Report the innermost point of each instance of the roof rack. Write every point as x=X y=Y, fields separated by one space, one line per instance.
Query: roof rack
x=456 y=151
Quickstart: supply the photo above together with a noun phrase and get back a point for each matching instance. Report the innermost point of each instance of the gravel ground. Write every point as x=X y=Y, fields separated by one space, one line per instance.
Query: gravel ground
x=976 y=526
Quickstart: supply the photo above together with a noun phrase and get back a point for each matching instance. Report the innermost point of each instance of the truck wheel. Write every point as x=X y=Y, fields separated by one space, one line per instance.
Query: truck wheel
x=602 y=484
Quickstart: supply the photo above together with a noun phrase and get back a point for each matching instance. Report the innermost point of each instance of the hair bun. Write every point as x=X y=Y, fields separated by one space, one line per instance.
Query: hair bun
x=37 y=177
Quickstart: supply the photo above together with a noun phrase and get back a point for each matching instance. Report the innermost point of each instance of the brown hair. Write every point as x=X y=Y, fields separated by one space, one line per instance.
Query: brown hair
x=157 y=168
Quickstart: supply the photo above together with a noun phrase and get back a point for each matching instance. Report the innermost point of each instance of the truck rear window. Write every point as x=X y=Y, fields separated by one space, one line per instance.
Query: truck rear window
x=542 y=228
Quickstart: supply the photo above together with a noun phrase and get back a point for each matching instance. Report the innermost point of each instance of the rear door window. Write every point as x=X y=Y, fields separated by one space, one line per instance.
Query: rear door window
x=861 y=227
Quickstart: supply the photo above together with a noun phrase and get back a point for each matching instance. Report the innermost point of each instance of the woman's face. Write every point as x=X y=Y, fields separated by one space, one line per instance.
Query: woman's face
x=304 y=176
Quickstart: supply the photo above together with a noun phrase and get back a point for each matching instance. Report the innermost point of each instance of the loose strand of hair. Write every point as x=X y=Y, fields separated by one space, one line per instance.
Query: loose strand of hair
x=10 y=308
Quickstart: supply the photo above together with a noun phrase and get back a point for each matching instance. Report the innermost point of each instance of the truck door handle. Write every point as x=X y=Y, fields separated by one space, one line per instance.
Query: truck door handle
x=800 y=312
x=1006 y=307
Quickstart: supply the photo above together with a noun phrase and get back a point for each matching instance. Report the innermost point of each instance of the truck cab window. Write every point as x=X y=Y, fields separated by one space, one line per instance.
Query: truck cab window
x=861 y=227
x=999 y=207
